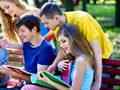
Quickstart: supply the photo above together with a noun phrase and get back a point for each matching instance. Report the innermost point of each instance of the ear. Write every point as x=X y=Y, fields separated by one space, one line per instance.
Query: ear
x=34 y=29
x=56 y=17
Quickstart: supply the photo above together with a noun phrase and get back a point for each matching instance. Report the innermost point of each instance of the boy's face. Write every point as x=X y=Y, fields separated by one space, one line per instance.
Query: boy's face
x=25 y=34
x=51 y=24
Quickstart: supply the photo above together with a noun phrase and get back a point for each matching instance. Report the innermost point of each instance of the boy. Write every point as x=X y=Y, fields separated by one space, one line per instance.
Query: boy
x=38 y=53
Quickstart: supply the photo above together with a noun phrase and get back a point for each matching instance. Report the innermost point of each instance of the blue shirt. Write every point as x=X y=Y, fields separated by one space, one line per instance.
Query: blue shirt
x=43 y=55
x=3 y=61
x=88 y=76
x=44 y=31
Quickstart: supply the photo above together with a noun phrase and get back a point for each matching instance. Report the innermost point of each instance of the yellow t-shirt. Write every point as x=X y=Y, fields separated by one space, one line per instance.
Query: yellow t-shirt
x=90 y=29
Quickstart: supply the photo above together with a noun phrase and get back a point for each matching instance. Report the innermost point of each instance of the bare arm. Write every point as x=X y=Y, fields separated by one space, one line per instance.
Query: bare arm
x=5 y=44
x=98 y=66
x=78 y=78
x=50 y=35
x=5 y=70
x=41 y=67
x=79 y=74
x=60 y=56
x=46 y=79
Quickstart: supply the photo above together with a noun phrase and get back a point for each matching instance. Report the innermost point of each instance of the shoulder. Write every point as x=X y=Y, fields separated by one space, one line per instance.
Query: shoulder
x=32 y=11
x=46 y=45
x=80 y=60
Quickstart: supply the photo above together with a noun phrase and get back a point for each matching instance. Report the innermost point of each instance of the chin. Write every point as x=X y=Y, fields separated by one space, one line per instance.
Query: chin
x=67 y=52
x=25 y=40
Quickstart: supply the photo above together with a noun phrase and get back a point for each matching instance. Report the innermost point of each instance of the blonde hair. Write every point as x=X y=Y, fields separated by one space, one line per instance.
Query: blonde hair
x=78 y=44
x=8 y=23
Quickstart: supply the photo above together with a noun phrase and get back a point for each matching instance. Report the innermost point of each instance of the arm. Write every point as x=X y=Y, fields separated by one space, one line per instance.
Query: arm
x=5 y=70
x=81 y=66
x=50 y=35
x=77 y=81
x=46 y=79
x=5 y=44
x=98 y=66
x=60 y=56
x=41 y=67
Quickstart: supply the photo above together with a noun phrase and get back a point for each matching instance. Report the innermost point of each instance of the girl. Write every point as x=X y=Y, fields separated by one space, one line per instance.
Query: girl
x=10 y=12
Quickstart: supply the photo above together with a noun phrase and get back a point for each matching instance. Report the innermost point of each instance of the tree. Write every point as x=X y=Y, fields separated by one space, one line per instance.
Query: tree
x=39 y=3
x=84 y=5
x=69 y=5
x=117 y=16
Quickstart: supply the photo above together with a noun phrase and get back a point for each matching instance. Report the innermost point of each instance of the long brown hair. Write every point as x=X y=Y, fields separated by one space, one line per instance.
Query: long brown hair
x=8 y=23
x=78 y=44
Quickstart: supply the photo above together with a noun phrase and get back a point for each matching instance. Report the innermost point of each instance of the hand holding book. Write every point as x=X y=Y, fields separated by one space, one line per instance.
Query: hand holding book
x=44 y=78
x=18 y=70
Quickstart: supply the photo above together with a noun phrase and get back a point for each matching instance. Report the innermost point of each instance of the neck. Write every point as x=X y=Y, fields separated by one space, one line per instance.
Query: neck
x=62 y=20
x=21 y=12
x=37 y=40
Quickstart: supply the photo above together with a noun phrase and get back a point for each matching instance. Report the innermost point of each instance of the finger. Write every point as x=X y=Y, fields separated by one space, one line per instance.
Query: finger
x=66 y=60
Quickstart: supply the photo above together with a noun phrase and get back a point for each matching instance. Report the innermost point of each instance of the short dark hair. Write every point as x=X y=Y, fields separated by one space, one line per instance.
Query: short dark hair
x=29 y=21
x=49 y=9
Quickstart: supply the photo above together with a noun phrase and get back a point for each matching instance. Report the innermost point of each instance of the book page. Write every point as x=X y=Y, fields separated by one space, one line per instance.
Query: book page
x=18 y=70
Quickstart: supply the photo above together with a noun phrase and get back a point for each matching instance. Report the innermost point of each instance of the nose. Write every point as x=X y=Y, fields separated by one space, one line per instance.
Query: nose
x=61 y=46
x=6 y=11
x=19 y=33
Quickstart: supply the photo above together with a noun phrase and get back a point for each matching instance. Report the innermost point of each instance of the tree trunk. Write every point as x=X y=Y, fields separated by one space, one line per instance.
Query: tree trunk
x=94 y=1
x=117 y=18
x=84 y=5
x=38 y=4
x=69 y=5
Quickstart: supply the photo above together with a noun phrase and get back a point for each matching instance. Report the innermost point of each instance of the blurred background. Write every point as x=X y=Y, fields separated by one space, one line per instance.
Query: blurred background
x=106 y=12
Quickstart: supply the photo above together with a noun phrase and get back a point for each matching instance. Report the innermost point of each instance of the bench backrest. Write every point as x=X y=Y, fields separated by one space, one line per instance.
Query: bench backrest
x=113 y=70
x=15 y=59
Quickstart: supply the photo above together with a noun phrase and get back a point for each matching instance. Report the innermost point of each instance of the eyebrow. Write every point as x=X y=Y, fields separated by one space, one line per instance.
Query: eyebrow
x=4 y=7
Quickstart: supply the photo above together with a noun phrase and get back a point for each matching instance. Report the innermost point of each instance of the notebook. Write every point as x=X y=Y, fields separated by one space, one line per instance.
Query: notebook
x=51 y=77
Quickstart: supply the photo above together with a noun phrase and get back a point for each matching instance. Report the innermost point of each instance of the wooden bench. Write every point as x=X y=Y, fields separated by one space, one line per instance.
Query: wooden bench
x=16 y=56
x=113 y=71
x=15 y=59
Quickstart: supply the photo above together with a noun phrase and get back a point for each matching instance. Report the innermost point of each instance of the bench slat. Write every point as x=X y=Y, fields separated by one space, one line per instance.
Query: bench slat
x=15 y=59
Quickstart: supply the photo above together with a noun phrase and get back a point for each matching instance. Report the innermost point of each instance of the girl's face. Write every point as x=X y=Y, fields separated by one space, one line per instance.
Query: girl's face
x=64 y=43
x=8 y=8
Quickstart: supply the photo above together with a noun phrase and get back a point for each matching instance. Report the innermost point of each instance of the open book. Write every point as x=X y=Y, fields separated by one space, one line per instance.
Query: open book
x=51 y=77
x=19 y=70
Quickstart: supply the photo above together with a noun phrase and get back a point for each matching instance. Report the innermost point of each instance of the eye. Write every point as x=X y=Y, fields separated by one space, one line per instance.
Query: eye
x=7 y=7
x=63 y=41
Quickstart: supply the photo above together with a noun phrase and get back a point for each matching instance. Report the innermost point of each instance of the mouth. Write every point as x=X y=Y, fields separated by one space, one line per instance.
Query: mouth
x=23 y=38
x=15 y=15
x=65 y=49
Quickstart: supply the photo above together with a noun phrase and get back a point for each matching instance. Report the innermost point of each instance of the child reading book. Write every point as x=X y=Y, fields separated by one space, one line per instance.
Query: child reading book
x=38 y=53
